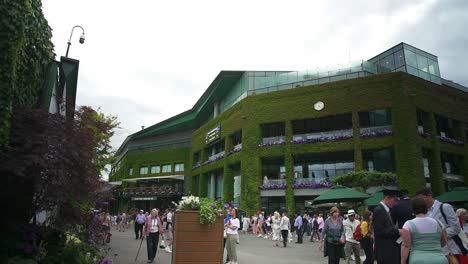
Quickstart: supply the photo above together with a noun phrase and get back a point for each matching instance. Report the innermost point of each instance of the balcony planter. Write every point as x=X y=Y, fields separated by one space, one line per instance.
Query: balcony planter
x=194 y=242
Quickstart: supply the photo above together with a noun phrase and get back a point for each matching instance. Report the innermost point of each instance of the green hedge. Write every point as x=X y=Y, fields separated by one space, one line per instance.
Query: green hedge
x=27 y=51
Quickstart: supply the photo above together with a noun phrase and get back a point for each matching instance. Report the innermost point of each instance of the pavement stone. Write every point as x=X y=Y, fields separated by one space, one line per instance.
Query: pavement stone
x=123 y=249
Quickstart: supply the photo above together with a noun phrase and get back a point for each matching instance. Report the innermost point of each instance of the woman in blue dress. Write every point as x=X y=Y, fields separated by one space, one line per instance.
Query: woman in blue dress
x=423 y=236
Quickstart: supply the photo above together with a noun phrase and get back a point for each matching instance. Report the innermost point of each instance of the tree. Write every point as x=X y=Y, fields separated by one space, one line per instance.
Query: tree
x=365 y=179
x=103 y=128
x=54 y=164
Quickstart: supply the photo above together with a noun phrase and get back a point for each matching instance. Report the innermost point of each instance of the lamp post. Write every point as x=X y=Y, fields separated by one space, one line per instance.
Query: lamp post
x=82 y=38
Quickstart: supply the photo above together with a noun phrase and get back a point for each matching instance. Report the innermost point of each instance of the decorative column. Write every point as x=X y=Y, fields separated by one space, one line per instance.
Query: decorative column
x=409 y=165
x=357 y=142
x=228 y=188
x=460 y=135
x=289 y=164
x=435 y=164
x=251 y=177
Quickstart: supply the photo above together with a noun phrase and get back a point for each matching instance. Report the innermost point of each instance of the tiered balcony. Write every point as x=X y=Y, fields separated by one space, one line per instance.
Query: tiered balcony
x=162 y=190
x=380 y=131
x=323 y=136
x=272 y=141
x=213 y=158
x=236 y=148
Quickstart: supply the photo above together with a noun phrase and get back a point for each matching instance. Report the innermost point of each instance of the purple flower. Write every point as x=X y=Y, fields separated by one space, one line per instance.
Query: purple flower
x=377 y=133
x=451 y=141
x=212 y=206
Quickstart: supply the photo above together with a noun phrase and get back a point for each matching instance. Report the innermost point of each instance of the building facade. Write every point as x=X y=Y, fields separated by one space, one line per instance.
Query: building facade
x=274 y=140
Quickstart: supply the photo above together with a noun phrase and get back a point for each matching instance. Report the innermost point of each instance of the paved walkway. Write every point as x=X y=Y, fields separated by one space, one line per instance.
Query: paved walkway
x=124 y=247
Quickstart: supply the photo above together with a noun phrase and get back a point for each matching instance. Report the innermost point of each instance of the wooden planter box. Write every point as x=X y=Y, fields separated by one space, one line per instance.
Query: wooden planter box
x=197 y=243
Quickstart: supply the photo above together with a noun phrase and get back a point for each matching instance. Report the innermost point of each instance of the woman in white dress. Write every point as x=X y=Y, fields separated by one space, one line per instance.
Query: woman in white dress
x=245 y=224
x=276 y=228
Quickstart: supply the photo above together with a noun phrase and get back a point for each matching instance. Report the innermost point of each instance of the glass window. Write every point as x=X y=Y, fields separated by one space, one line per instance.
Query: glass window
x=412 y=71
x=166 y=168
x=410 y=58
x=387 y=64
x=219 y=186
x=179 y=167
x=143 y=170
x=399 y=59
x=298 y=172
x=375 y=118
x=433 y=67
x=379 y=160
x=422 y=63
x=273 y=129
x=155 y=169
x=130 y=171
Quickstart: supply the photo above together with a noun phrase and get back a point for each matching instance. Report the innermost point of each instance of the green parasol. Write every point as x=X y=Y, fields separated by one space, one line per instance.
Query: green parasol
x=458 y=194
x=340 y=193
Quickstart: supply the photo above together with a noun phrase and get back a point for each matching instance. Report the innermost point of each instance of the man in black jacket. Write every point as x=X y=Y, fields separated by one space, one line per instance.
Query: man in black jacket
x=402 y=212
x=386 y=234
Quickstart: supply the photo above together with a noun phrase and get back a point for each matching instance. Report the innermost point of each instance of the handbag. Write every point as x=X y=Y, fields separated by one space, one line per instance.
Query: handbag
x=452 y=259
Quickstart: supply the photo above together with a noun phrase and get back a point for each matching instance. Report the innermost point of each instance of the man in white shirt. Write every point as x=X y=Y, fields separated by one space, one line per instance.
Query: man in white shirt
x=351 y=245
x=285 y=226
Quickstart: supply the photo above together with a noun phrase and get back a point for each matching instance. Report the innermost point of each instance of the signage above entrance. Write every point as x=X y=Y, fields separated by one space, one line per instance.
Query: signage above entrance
x=144 y=198
x=213 y=135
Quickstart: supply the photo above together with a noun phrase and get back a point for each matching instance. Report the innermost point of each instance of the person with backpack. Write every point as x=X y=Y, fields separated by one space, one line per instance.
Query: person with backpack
x=352 y=246
x=445 y=214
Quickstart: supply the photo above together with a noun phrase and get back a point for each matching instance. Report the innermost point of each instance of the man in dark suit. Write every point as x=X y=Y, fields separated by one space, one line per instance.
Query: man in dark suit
x=386 y=234
x=402 y=211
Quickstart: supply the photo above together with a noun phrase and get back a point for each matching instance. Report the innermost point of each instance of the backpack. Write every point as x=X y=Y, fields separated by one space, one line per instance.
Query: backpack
x=357 y=234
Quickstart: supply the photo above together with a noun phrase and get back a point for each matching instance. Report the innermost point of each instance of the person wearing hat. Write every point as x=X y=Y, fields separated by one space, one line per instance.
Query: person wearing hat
x=402 y=211
x=386 y=234
x=139 y=222
x=351 y=245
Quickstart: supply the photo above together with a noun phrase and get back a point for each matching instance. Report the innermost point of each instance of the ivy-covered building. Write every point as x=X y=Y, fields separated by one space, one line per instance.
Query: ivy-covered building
x=274 y=139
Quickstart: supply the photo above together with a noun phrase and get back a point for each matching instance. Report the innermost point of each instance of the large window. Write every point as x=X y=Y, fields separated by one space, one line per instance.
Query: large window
x=155 y=169
x=322 y=124
x=273 y=168
x=237 y=138
x=451 y=163
x=375 y=118
x=324 y=166
x=216 y=148
x=130 y=171
x=196 y=157
x=143 y=170
x=166 y=168
x=445 y=126
x=179 y=167
x=273 y=130
x=379 y=160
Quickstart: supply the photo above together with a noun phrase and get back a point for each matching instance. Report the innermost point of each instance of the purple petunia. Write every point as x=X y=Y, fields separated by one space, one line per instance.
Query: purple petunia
x=451 y=141
x=377 y=133
x=320 y=139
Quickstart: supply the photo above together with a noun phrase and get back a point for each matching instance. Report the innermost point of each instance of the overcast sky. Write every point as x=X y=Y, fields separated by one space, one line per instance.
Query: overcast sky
x=145 y=61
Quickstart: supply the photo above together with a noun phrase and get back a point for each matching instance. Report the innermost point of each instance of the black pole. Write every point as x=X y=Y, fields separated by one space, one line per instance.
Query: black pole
x=68 y=48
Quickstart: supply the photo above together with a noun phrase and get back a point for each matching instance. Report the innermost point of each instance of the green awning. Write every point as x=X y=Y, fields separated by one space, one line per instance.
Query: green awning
x=340 y=194
x=458 y=194
x=374 y=199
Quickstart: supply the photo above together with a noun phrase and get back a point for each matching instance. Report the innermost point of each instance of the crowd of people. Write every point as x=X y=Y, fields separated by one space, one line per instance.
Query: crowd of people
x=399 y=230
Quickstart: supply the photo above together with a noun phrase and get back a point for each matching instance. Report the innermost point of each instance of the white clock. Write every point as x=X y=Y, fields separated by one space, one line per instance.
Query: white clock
x=319 y=105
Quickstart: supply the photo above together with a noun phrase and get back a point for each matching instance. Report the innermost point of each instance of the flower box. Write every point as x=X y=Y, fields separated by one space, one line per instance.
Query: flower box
x=194 y=242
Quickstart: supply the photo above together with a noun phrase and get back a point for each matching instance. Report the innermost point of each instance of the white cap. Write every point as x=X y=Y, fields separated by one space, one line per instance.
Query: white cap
x=351 y=212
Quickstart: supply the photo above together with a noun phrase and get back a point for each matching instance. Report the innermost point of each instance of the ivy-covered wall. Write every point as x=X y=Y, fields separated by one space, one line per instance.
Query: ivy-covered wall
x=400 y=92
x=26 y=52
x=148 y=158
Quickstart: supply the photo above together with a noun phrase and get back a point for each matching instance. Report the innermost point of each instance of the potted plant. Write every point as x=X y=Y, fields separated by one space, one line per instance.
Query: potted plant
x=198 y=231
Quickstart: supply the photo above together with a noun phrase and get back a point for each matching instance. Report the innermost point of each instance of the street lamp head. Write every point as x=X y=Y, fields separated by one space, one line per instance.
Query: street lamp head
x=82 y=38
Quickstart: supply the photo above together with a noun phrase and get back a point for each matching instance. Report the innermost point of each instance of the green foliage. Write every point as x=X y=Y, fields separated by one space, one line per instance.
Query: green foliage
x=365 y=179
x=27 y=51
x=103 y=128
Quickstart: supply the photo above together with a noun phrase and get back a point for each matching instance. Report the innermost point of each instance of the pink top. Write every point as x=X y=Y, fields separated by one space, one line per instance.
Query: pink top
x=147 y=227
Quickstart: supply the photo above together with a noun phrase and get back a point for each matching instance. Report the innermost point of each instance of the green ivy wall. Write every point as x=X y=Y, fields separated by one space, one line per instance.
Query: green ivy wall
x=399 y=91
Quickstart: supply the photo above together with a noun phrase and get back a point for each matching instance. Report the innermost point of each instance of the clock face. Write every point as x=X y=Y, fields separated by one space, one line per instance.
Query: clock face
x=319 y=105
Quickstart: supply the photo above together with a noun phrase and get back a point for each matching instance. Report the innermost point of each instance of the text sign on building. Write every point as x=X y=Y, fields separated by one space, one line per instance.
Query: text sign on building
x=144 y=198
x=213 y=135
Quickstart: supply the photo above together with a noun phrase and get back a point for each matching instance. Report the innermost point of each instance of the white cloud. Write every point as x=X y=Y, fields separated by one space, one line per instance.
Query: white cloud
x=146 y=61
